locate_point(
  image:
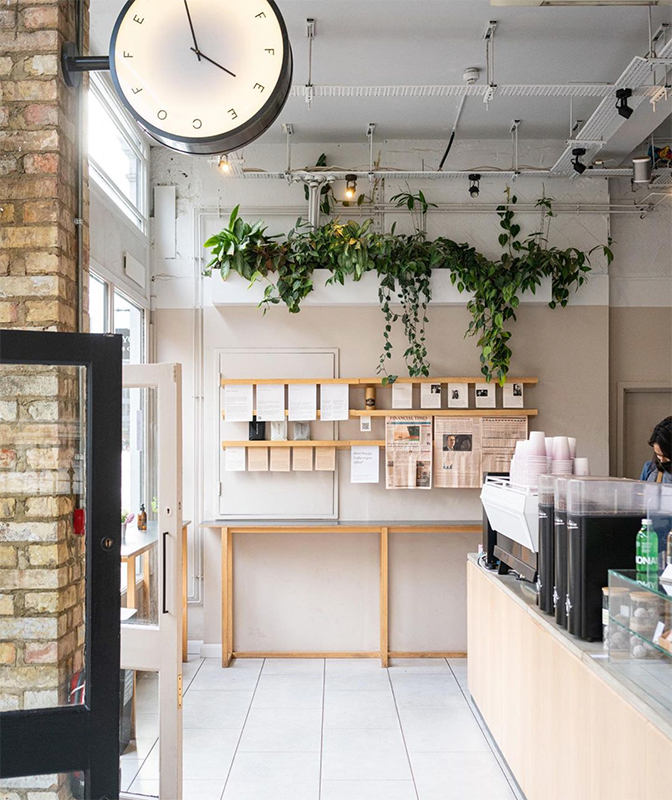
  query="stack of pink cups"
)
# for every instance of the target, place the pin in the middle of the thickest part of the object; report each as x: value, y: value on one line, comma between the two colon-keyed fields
x: 563, y: 462
x: 536, y: 461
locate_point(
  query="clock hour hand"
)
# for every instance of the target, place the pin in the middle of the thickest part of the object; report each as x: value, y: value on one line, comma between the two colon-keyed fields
x: 193, y: 33
x: 202, y: 55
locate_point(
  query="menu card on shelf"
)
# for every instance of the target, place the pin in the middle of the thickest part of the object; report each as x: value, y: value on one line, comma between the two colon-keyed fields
x: 430, y: 395
x: 257, y: 459
x: 402, y: 395
x: 271, y: 402
x: 325, y: 459
x: 302, y: 459
x: 302, y: 401
x: 485, y: 396
x: 235, y: 459
x: 280, y: 459
x: 238, y: 403
x: 458, y: 395
x: 513, y: 395
x: 365, y: 464
x: 334, y: 402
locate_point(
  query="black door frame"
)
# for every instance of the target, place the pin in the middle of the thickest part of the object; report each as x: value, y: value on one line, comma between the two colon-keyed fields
x: 86, y: 737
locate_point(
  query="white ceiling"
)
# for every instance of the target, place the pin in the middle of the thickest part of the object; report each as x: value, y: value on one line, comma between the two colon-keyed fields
x: 390, y: 42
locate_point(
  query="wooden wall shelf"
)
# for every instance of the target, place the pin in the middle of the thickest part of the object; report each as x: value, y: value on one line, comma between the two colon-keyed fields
x: 361, y: 381
x: 341, y: 445
x: 444, y: 412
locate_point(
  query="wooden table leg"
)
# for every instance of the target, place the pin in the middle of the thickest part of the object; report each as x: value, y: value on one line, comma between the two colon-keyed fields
x: 384, y: 598
x: 227, y: 596
x: 185, y: 622
x: 130, y: 583
x: 146, y: 599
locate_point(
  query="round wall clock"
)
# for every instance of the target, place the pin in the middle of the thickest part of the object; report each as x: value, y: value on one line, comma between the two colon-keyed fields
x: 202, y: 76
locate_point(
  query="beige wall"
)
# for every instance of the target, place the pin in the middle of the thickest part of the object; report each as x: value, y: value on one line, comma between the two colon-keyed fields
x: 567, y: 349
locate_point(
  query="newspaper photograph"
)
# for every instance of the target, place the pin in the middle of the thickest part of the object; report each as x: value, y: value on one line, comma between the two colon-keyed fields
x: 457, y: 452
x: 499, y: 437
x: 408, y: 452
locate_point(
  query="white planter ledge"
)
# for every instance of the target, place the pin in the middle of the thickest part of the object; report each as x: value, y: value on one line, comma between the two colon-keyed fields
x: 235, y: 291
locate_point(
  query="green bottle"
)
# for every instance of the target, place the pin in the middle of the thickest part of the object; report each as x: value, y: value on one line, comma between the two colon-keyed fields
x: 646, y: 558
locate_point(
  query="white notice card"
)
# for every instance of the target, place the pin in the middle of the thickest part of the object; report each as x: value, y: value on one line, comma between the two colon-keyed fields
x: 238, y: 404
x: 280, y: 459
x: 513, y: 395
x: 271, y: 402
x: 365, y: 464
x: 302, y: 401
x: 402, y: 395
x: 458, y: 395
x: 235, y: 459
x: 334, y: 402
x: 325, y: 459
x: 430, y: 395
x: 485, y: 395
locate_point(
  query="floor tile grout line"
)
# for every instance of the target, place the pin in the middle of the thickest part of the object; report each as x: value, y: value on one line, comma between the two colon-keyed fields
x: 193, y: 676
x: 242, y: 730
x: 324, y: 691
x: 144, y: 761
x: 403, y: 736
x: 488, y: 737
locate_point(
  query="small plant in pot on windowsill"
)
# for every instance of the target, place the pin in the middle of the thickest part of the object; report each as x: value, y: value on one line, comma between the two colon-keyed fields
x: 126, y: 519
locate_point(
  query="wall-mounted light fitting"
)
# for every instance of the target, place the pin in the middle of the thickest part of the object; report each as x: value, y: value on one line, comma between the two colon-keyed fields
x: 474, y: 185
x: 641, y: 169
x: 351, y: 186
x: 224, y: 165
x: 579, y: 166
x: 622, y: 96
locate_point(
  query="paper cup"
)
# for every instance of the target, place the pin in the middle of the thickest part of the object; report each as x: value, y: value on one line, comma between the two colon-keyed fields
x: 561, y: 449
x: 572, y: 447
x: 581, y: 466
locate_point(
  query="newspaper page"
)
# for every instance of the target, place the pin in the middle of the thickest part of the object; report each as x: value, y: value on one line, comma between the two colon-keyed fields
x: 457, y: 451
x: 499, y: 436
x: 408, y: 452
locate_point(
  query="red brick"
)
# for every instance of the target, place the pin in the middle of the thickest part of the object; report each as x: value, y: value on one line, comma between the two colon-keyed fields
x: 41, y: 114
x: 40, y: 18
x: 41, y: 162
x: 40, y: 211
x: 28, y: 42
x: 28, y: 141
x: 20, y: 187
x: 7, y: 458
x: 36, y: 653
x: 9, y: 312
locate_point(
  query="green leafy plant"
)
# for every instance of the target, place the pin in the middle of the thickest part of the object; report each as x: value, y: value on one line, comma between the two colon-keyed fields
x: 404, y: 265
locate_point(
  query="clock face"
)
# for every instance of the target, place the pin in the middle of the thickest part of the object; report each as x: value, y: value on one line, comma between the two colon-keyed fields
x: 202, y: 76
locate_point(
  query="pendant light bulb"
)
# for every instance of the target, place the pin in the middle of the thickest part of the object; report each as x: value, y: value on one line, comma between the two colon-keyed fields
x: 224, y: 165
x: 351, y: 187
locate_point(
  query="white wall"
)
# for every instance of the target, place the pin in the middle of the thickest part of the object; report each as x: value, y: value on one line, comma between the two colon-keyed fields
x: 567, y: 349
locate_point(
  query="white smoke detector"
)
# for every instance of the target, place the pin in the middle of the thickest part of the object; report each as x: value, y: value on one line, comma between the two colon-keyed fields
x: 471, y: 76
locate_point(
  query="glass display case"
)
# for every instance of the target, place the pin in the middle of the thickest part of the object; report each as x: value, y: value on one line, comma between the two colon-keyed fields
x: 638, y: 633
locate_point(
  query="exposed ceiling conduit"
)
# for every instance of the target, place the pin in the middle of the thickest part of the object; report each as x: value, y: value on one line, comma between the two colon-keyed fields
x: 460, y: 90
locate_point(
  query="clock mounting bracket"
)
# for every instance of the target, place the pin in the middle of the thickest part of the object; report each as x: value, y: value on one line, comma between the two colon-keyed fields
x: 73, y: 64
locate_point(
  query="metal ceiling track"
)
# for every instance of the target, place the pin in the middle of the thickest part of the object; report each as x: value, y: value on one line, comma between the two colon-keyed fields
x: 461, y: 90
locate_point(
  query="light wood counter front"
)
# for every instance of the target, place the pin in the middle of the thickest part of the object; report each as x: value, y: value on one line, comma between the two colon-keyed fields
x: 568, y: 726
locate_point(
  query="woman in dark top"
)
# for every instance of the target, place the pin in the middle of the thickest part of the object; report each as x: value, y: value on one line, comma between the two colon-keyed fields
x: 659, y: 469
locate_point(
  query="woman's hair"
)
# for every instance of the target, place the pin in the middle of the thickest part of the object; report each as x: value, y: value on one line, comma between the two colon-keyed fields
x: 662, y: 436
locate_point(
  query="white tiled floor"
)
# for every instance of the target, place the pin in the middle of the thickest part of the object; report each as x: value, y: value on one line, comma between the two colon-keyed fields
x: 322, y: 730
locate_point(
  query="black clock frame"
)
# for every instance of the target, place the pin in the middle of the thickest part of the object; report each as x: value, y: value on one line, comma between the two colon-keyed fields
x: 233, y: 140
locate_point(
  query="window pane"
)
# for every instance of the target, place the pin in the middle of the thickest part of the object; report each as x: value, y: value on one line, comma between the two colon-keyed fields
x: 97, y: 305
x: 129, y: 321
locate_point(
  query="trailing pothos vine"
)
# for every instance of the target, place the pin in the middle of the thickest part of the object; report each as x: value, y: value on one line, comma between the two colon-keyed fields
x: 404, y: 264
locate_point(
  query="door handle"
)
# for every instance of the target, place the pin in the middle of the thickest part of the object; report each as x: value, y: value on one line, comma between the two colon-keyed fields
x: 165, y: 571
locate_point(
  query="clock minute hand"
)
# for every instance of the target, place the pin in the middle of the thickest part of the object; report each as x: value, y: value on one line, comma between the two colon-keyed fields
x: 198, y: 53
x: 193, y: 33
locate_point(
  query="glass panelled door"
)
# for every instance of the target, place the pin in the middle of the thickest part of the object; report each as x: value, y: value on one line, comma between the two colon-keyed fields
x: 151, y: 582
x: 60, y: 545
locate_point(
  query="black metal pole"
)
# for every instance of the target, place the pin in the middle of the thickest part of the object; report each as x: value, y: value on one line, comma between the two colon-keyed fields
x: 73, y: 64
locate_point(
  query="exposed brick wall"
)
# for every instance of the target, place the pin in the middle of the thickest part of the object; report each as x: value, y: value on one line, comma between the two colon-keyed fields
x: 42, y: 584
x: 38, y: 257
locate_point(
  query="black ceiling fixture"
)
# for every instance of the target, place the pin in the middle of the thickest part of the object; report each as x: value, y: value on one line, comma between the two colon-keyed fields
x: 579, y: 166
x: 474, y: 185
x: 622, y: 97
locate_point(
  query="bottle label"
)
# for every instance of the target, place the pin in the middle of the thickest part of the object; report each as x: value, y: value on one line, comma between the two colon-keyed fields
x: 646, y: 561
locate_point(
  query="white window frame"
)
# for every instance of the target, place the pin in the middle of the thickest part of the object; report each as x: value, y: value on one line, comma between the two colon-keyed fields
x: 136, y: 141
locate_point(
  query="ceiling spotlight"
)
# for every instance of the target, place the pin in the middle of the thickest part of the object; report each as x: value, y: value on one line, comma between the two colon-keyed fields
x: 579, y: 167
x: 351, y: 187
x: 622, y: 96
x: 224, y: 165
x: 474, y: 185
x: 642, y: 168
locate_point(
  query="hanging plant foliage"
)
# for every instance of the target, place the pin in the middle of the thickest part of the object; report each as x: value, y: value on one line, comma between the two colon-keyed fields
x: 404, y: 265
